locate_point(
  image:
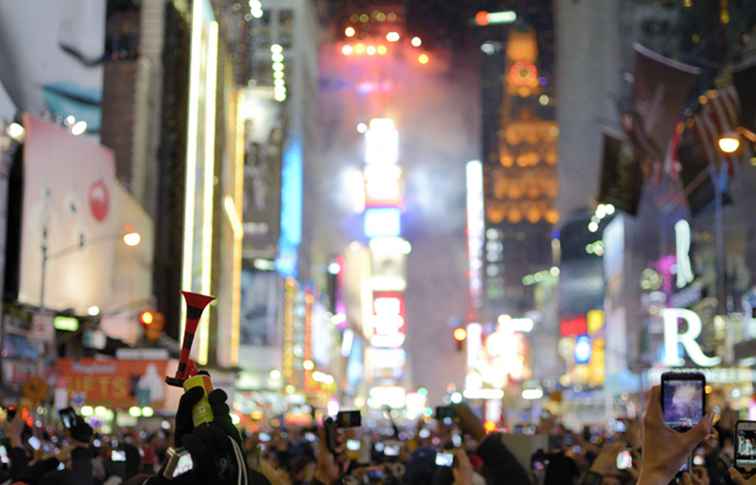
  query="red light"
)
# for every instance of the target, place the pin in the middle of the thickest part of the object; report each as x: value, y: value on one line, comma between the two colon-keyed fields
x: 481, y: 18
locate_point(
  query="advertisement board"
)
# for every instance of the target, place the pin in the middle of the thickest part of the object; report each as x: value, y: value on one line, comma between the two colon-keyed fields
x: 114, y: 383
x: 69, y: 187
x: 259, y: 334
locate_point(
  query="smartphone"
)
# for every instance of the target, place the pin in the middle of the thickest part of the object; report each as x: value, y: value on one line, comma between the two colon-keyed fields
x: 457, y: 440
x: 34, y: 442
x: 68, y: 417
x: 683, y: 399
x: 310, y: 437
x: 179, y: 461
x: 4, y: 455
x: 444, y: 412
x: 745, y: 446
x: 349, y: 419
x: 353, y: 445
x: 118, y: 455
x: 624, y: 460
x: 10, y: 412
x: 445, y: 459
x: 263, y: 437
x: 619, y: 426
x: 392, y: 449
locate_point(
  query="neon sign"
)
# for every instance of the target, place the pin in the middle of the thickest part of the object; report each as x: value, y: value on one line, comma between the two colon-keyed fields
x: 673, y: 337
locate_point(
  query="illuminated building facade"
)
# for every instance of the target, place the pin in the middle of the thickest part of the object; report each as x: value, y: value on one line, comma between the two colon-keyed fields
x: 520, y: 160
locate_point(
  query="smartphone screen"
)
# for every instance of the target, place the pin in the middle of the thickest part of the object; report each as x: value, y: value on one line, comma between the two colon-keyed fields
x: 34, y: 442
x: 624, y: 460
x: 353, y: 445
x: 443, y: 412
x: 444, y: 459
x: 349, y: 419
x: 4, y: 455
x: 683, y: 397
x: 456, y: 440
x: 745, y: 445
x: 619, y: 426
x: 185, y: 464
x: 392, y: 449
x: 118, y: 455
x: 68, y: 417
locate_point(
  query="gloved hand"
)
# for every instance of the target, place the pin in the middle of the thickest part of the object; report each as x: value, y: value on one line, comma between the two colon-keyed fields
x: 212, y: 452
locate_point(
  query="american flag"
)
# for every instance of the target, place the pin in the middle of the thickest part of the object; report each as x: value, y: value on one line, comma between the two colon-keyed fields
x: 719, y: 114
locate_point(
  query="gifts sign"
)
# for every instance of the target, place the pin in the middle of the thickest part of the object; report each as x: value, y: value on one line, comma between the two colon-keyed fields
x: 195, y: 305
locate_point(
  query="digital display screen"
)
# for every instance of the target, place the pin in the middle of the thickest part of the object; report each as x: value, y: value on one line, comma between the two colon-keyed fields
x: 746, y: 452
x: 353, y: 445
x: 683, y: 402
x: 118, y: 455
x: 185, y: 464
x: 444, y: 459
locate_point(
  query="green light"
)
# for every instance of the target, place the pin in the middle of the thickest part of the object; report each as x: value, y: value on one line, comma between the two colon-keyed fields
x: 69, y: 324
x: 505, y: 17
x: 422, y: 391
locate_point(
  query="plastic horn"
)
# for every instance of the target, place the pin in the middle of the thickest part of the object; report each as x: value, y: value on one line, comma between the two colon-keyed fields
x: 195, y: 305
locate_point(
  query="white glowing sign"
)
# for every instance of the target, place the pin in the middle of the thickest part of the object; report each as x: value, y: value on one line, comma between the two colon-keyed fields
x: 383, y: 185
x: 387, y: 322
x: 382, y: 222
x: 382, y: 142
x: 682, y: 247
x: 673, y: 337
x: 475, y: 228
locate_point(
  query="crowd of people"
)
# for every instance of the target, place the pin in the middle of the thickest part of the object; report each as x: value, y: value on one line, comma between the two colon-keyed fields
x: 454, y: 449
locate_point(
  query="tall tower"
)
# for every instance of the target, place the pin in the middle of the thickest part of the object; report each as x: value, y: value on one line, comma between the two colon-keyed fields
x: 521, y: 180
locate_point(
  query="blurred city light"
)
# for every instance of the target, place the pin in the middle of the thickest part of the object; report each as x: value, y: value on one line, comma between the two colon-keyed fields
x: 79, y: 128
x: 390, y: 245
x: 484, y: 18
x: 132, y: 239
x: 460, y: 334
x: 416, y: 41
x: 382, y: 142
x: 359, y: 49
x: 729, y: 143
x: 350, y: 31
x: 532, y: 394
x: 308, y: 365
x: 16, y: 132
x: 370, y: 50
x: 276, y: 48
x: 382, y: 222
x: 382, y: 50
x: 393, y: 37
x: 423, y: 59
x: 93, y: 311
x: 362, y: 128
x: 334, y: 268
x: 347, y: 50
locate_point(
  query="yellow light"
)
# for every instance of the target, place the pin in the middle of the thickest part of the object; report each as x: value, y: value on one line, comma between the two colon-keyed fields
x: 370, y: 50
x: 382, y: 50
x: 543, y: 99
x: 256, y: 415
x: 423, y: 59
x: 132, y: 239
x: 393, y: 37
x: 290, y: 389
x: 148, y: 412
x: 87, y: 411
x: 729, y: 143
x: 147, y: 318
x: 489, y: 426
x: 15, y: 131
x: 416, y: 41
x: 135, y: 411
x: 709, y: 389
x: 349, y: 31
x: 347, y: 50
x: 308, y: 365
x: 359, y: 49
x: 460, y: 334
x: 233, y: 217
x: 275, y: 48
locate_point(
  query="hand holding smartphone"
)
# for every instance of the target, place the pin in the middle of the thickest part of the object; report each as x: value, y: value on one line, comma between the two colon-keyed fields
x: 745, y: 447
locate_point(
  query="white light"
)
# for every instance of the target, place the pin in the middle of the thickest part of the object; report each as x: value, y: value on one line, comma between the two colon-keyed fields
x: 393, y: 37
x: 483, y: 394
x: 278, y: 66
x: 79, y: 128
x: 135, y: 411
x: 334, y: 268
x: 276, y: 48
x: 382, y: 222
x: 275, y: 374
x: 278, y: 75
x: 132, y: 239
x: 235, y: 419
x: 332, y: 408
x: 280, y: 97
x: 682, y: 250
x: 70, y: 120
x: 382, y: 142
x: 347, y: 50
x: 347, y: 339
x: 308, y: 365
x: 370, y: 50
x: 148, y: 412
x: 554, y: 271
x: 600, y: 211
x: 392, y: 396
x: 524, y: 325
x: 729, y: 143
x: 349, y: 31
x: 475, y: 227
x: 362, y: 128
x: 593, y: 226
x: 543, y: 99
x: 322, y: 377
x: 456, y: 397
x: 277, y: 57
x: 87, y: 411
x: 390, y: 245
x: 382, y: 185
x: 15, y: 131
x: 532, y: 394
x: 416, y: 41
x: 257, y: 13
x: 93, y: 311
x: 505, y: 17
x: 279, y: 83
x: 488, y: 48
x: 609, y: 209
x: 353, y: 189
x: 100, y: 411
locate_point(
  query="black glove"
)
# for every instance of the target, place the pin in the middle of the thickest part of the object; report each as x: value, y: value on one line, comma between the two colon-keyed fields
x: 212, y: 452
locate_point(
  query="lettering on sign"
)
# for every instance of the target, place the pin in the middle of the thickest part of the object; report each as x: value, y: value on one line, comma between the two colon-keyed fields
x: 673, y: 337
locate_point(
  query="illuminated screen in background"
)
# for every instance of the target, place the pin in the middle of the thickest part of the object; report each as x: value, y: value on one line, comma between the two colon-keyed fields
x: 683, y: 403
x: 355, y: 367
x: 384, y: 222
x: 291, y: 209
x: 746, y: 452
x: 382, y: 142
